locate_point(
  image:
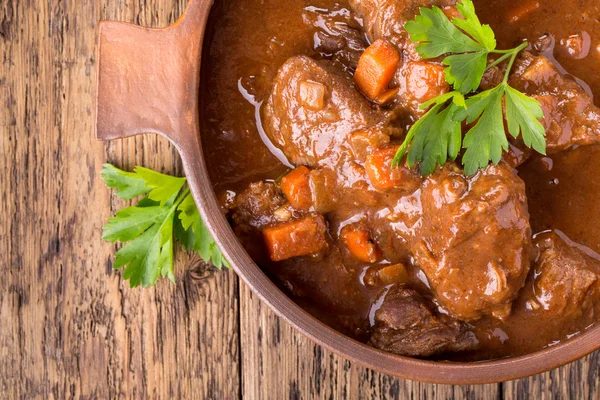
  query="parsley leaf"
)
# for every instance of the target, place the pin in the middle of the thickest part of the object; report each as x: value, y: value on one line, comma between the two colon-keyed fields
x: 437, y: 35
x: 437, y: 135
x: 483, y: 34
x: 467, y: 55
x: 197, y: 237
x: 147, y: 229
x: 148, y: 256
x: 163, y: 187
x: 487, y: 139
x: 189, y: 215
x: 127, y: 184
x: 523, y: 114
x: 131, y: 222
x: 435, y: 138
x: 465, y: 71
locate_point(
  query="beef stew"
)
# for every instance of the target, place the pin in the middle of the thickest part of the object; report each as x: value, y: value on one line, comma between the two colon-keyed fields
x: 446, y: 266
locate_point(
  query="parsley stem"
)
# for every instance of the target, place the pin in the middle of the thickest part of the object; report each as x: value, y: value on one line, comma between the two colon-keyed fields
x: 516, y: 50
x: 512, y: 54
x: 510, y: 51
x: 499, y: 60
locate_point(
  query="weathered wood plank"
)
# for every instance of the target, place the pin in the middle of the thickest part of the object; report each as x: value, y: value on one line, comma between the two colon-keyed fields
x: 280, y: 363
x: 578, y: 380
x: 70, y: 326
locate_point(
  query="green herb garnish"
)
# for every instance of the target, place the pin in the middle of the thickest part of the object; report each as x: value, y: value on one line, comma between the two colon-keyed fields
x: 148, y: 228
x: 437, y: 136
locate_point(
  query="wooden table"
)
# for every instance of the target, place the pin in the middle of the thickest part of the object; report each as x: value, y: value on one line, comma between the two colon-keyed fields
x: 69, y: 325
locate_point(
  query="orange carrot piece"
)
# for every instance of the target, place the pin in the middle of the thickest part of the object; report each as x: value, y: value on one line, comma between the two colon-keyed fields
x: 296, y: 238
x: 312, y: 95
x: 379, y: 168
x: 384, y: 176
x: 358, y: 242
x: 296, y: 187
x: 523, y: 10
x: 376, y: 68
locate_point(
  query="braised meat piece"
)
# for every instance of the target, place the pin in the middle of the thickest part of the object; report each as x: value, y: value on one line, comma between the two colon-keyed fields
x: 566, y: 280
x: 339, y: 36
x: 386, y: 19
x: 254, y: 208
x: 570, y: 116
x: 474, y: 243
x: 317, y: 132
x: 406, y: 324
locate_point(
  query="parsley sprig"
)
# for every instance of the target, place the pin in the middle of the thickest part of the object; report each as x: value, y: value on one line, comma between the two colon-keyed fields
x: 167, y: 211
x: 437, y: 136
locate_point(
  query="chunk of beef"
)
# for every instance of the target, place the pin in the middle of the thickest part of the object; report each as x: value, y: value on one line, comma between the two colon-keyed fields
x: 318, y: 137
x: 338, y: 35
x: 566, y: 280
x: 407, y: 324
x: 474, y: 243
x: 254, y: 207
x: 386, y: 19
x: 570, y: 116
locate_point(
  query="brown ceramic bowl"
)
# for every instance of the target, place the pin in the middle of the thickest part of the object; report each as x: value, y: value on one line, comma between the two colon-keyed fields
x: 148, y: 82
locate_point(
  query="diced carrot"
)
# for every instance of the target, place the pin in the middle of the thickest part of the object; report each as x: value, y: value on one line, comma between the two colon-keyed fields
x: 384, y: 176
x: 296, y: 187
x: 425, y: 80
x: 296, y: 238
x: 523, y: 10
x: 358, y: 242
x: 376, y: 68
x: 312, y: 95
x: 387, y: 96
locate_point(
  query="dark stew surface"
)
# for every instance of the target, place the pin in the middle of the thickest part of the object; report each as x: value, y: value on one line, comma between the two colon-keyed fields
x: 501, y: 263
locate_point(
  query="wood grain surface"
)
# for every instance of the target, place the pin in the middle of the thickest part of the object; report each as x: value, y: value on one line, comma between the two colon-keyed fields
x: 69, y: 326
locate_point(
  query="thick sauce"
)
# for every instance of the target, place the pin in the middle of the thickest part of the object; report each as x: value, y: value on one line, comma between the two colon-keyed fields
x: 567, y: 30
x: 251, y: 39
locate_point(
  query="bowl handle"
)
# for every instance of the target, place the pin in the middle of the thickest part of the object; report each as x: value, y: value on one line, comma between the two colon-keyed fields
x: 148, y: 79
